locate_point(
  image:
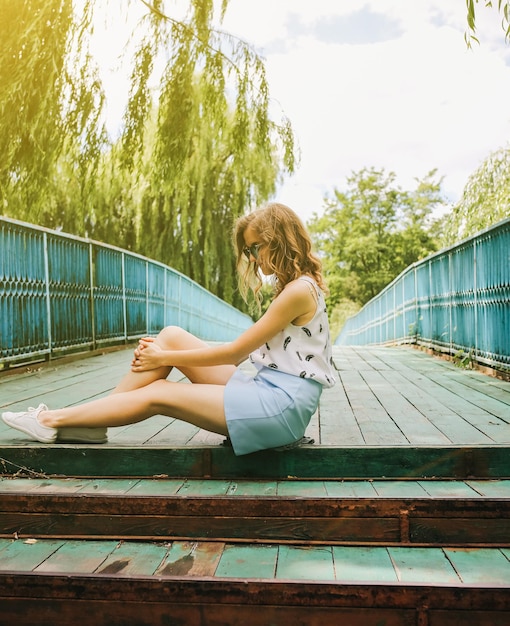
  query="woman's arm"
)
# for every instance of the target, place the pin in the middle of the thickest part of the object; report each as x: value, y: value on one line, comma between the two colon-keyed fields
x: 293, y: 302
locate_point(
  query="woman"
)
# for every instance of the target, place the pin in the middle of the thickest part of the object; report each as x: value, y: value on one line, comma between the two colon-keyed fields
x: 289, y: 345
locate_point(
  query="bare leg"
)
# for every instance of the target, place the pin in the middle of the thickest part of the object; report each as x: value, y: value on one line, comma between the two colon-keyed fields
x: 175, y: 338
x: 198, y: 404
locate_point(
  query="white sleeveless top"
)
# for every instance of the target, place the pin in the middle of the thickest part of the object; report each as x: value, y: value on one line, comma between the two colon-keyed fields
x: 303, y: 351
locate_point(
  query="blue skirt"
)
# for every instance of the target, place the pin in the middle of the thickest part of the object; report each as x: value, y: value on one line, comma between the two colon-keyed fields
x: 268, y: 410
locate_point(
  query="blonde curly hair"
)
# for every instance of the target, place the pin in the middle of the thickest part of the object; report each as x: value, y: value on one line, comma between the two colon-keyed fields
x: 289, y: 249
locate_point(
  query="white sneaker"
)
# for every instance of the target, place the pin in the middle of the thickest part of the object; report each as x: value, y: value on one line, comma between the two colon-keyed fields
x: 82, y: 435
x: 27, y: 422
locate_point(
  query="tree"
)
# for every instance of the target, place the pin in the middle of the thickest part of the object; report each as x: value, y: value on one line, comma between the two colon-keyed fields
x: 373, y: 231
x: 504, y: 10
x: 485, y: 199
x: 46, y: 105
x: 192, y: 154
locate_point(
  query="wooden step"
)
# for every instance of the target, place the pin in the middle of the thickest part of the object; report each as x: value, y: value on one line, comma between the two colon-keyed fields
x: 210, y: 583
x: 307, y: 462
x: 310, y: 512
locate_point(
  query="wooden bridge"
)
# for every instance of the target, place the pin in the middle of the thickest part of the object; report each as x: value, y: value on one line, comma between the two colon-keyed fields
x: 397, y: 515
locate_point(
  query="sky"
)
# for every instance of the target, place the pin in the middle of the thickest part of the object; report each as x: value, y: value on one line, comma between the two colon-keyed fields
x: 388, y: 84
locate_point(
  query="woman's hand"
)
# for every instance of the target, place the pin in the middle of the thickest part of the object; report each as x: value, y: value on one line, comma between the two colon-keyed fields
x: 147, y: 355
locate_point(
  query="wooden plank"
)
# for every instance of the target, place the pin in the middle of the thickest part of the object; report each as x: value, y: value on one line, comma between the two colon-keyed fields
x: 422, y: 565
x: 491, y: 488
x: 155, y: 487
x: 350, y: 489
x: 302, y: 489
x: 74, y: 557
x: 207, y: 601
x: 144, y: 432
x: 367, y: 462
x: 462, y: 385
x: 451, y: 617
x: 406, y: 416
x: 26, y: 555
x: 205, y: 488
x: 118, y: 613
x: 363, y: 564
x: 399, y: 489
x: 186, y: 558
x: 164, y: 487
x: 115, y: 486
x: 460, y: 531
x: 374, y: 422
x: 248, y: 561
x: 173, y: 432
x: 458, y: 400
x: 133, y: 559
x: 411, y: 376
x: 338, y: 426
x: 252, y: 488
x: 448, y: 489
x: 480, y: 566
x: 445, y: 419
x: 24, y: 485
x: 305, y: 563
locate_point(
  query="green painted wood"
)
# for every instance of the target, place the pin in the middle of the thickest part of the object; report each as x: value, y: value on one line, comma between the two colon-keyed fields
x: 154, y: 487
x: 338, y: 426
x: 416, y: 389
x: 205, y: 488
x: 489, y: 566
x: 24, y: 485
x: 252, y: 488
x: 276, y: 562
x: 25, y: 555
x: 399, y: 489
x: 462, y: 386
x: 305, y: 563
x: 417, y: 428
x: 307, y: 462
x: 75, y: 557
x: 302, y: 489
x: 448, y: 489
x: 143, y: 432
x: 374, y: 422
x: 491, y: 488
x: 363, y: 564
x: 385, y: 386
x: 350, y: 489
x: 133, y: 559
x: 422, y: 565
x: 248, y: 561
x: 115, y: 486
x: 186, y: 558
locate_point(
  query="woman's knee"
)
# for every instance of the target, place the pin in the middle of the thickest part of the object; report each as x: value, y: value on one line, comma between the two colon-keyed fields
x: 176, y: 338
x: 170, y: 336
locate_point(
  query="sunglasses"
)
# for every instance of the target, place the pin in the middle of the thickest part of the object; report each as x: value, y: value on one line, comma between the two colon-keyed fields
x: 252, y: 251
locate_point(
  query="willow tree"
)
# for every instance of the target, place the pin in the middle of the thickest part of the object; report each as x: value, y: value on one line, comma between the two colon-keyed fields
x: 197, y: 145
x: 213, y: 149
x: 49, y: 105
x: 485, y: 199
x: 503, y: 7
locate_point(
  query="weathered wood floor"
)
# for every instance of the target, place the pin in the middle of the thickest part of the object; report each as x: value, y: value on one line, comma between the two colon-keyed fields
x: 397, y: 515
x: 395, y: 412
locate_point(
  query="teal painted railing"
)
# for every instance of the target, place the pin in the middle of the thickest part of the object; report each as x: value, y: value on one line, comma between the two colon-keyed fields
x: 456, y: 301
x: 60, y: 293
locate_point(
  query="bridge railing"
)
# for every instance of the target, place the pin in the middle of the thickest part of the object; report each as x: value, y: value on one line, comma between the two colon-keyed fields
x: 456, y: 301
x: 60, y: 293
